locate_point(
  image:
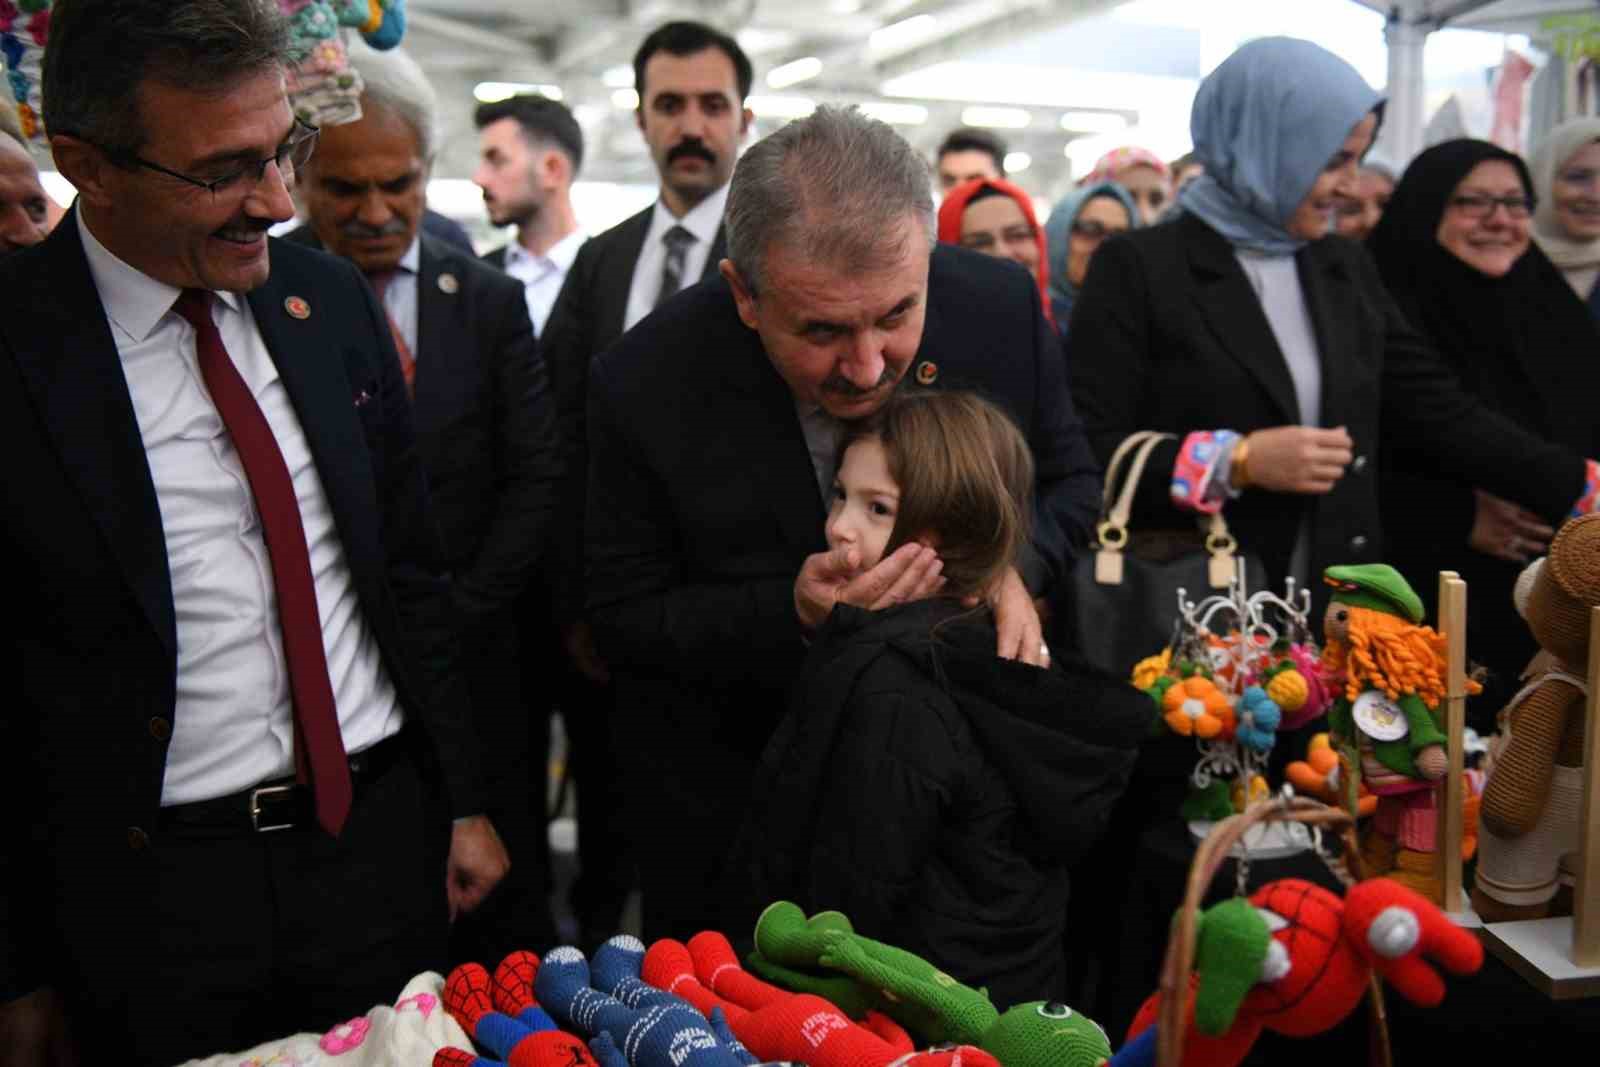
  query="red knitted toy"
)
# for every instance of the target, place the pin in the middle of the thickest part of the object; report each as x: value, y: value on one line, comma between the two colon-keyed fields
x: 1322, y: 953
x: 777, y: 1025
x: 470, y: 997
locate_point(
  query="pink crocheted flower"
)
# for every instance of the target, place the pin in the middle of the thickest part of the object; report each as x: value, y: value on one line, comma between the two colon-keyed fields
x: 345, y: 1037
x: 1319, y: 687
x: 39, y: 27
x: 424, y: 1003
x: 8, y: 15
x: 327, y: 57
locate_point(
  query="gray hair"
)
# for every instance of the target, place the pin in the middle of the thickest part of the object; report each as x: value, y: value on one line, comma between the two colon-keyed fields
x: 834, y: 187
x: 393, y: 80
x: 101, y: 51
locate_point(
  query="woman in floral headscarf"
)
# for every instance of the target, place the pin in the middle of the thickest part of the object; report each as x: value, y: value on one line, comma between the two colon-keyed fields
x: 1143, y: 174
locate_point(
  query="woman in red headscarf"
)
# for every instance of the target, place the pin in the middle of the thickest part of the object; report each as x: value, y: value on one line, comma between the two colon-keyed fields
x: 992, y: 216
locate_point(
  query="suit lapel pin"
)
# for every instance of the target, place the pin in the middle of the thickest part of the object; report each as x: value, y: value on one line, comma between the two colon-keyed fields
x: 297, y: 307
x: 448, y: 284
x: 927, y: 373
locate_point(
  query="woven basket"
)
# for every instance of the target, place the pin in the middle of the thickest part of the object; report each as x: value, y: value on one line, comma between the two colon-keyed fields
x: 1213, y: 852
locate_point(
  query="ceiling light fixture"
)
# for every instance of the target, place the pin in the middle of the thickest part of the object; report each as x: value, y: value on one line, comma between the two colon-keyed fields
x: 895, y: 114
x: 1093, y: 122
x: 781, y: 107
x: 794, y: 73
x: 997, y: 118
x: 903, y: 33
x: 1017, y: 162
x: 493, y: 92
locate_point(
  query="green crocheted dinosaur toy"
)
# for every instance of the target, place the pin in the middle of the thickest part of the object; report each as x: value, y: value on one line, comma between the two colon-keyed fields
x: 814, y: 955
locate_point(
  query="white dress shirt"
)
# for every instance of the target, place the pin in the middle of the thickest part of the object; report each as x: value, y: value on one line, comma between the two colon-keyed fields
x: 542, y: 276
x: 400, y: 298
x: 701, y: 221
x: 232, y: 727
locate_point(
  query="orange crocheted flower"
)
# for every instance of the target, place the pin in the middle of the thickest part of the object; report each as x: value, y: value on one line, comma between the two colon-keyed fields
x: 1196, y: 707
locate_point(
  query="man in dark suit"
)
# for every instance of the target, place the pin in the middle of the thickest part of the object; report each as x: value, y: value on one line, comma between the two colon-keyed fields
x: 712, y: 430
x: 486, y: 434
x: 692, y: 82
x: 236, y: 736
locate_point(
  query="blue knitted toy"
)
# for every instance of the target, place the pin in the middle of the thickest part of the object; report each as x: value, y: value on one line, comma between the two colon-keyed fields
x: 615, y: 970
x: 659, y: 1036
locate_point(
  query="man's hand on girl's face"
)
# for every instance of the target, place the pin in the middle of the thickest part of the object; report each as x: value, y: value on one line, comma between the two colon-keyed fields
x: 911, y: 572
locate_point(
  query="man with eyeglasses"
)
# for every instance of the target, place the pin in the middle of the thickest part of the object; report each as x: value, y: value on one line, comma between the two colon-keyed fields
x: 242, y: 792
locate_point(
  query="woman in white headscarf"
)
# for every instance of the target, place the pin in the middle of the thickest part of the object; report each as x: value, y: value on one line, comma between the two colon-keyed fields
x: 1271, y: 349
x: 1566, y: 224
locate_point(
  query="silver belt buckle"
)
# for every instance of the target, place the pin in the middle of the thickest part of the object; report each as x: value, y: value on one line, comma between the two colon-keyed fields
x: 255, y: 809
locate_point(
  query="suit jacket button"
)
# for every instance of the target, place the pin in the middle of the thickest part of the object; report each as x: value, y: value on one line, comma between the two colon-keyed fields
x: 160, y: 728
x: 138, y: 840
x: 1358, y: 464
x: 1358, y: 543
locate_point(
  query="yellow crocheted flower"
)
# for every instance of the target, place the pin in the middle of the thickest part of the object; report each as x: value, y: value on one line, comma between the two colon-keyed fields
x: 1147, y: 670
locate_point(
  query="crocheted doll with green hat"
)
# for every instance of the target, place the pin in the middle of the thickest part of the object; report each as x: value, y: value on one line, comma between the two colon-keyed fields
x: 1388, y: 671
x: 930, y: 1004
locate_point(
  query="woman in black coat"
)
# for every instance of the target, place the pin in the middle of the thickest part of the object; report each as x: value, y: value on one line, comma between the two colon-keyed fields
x: 1242, y: 315
x: 1272, y: 351
x: 1455, y: 251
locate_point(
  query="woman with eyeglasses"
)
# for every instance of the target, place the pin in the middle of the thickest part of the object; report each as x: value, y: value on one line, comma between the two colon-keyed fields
x: 1078, y: 224
x: 995, y: 217
x: 1566, y: 224
x: 1269, y: 347
x: 1454, y: 250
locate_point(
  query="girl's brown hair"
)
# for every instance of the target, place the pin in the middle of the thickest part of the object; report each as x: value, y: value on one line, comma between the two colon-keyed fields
x: 966, y: 479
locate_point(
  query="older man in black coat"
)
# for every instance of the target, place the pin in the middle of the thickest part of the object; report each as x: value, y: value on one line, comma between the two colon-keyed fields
x: 712, y: 427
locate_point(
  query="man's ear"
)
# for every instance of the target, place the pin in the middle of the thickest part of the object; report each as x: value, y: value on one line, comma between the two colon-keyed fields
x: 85, y: 166
x: 743, y: 297
x: 745, y: 119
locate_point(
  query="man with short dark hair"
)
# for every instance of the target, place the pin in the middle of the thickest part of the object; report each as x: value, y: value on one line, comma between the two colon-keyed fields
x: 530, y: 148
x: 692, y: 82
x: 236, y: 752
x: 969, y: 153
x: 486, y: 435
x: 714, y: 425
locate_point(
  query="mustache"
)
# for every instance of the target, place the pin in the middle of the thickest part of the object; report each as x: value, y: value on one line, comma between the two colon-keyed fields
x: 395, y: 227
x: 691, y: 148
x: 246, y: 223
x: 838, y: 383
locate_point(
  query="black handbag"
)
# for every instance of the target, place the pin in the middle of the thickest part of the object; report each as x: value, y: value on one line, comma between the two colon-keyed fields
x: 1124, y: 592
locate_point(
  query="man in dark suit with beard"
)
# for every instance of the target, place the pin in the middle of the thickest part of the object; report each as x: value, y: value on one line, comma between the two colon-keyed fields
x: 236, y: 744
x: 712, y: 431
x: 486, y: 434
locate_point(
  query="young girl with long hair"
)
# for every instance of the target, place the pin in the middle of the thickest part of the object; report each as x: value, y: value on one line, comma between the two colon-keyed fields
x: 928, y: 789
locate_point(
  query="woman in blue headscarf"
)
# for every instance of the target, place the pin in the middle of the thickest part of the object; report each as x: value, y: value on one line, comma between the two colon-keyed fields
x: 1269, y: 349
x: 1078, y: 224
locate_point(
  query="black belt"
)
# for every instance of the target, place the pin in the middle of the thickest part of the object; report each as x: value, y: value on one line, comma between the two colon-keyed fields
x: 283, y: 803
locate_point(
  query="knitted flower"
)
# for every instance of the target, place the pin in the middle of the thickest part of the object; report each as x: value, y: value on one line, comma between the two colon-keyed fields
x: 1147, y: 670
x: 1258, y: 719
x: 1195, y: 706
x: 1319, y: 690
x: 8, y: 14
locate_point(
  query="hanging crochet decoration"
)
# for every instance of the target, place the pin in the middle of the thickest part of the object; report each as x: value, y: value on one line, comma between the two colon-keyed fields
x: 1240, y: 668
x: 24, y: 29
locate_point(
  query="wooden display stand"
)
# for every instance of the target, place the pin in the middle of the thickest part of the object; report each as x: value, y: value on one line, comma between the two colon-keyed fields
x: 1452, y: 791
x: 1561, y: 956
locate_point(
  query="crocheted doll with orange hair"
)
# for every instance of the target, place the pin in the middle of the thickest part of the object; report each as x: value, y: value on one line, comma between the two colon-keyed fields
x: 1529, y: 832
x: 1389, y: 672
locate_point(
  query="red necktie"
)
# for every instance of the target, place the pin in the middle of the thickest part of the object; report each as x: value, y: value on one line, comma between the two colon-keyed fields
x: 319, y: 750
x: 408, y: 364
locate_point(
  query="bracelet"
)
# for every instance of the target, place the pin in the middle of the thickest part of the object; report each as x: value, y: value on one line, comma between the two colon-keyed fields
x: 1239, y: 473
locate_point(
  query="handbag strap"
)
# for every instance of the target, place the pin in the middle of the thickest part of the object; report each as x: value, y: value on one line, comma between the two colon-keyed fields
x: 1117, y: 507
